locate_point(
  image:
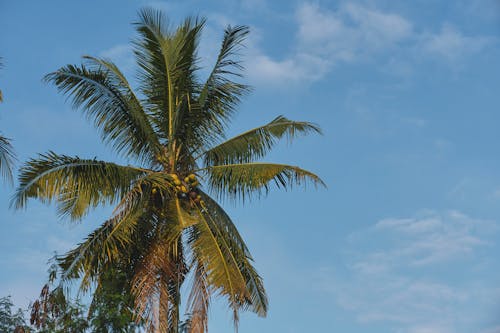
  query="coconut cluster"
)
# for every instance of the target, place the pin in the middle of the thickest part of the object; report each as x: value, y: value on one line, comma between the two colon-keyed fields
x: 187, y: 189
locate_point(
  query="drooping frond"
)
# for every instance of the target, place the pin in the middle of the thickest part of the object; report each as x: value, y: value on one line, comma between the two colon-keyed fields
x: 167, y: 63
x: 220, y: 260
x: 104, y: 245
x: 256, y: 299
x: 157, y: 280
x: 235, y: 181
x: 199, y: 300
x: 104, y: 95
x: 254, y: 144
x: 7, y: 158
x: 131, y: 222
x: 220, y: 95
x: 75, y: 184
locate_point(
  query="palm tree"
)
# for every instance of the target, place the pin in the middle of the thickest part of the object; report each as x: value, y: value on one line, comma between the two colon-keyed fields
x: 167, y: 225
x: 6, y: 152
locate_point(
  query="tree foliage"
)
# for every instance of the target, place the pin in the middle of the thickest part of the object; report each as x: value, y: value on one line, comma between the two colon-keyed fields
x: 167, y: 228
x: 111, y: 309
x: 11, y: 320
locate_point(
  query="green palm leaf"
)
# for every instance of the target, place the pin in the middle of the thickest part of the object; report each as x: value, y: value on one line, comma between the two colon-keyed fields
x: 75, y: 184
x: 220, y: 95
x: 112, y: 240
x: 167, y: 63
x: 235, y: 181
x: 257, y: 298
x: 255, y: 143
x: 220, y: 264
x: 104, y: 96
x: 7, y: 158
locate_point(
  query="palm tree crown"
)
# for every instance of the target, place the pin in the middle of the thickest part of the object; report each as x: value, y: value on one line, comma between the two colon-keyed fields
x: 166, y: 226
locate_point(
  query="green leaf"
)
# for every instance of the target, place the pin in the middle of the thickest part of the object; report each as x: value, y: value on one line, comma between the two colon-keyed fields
x: 7, y: 158
x: 220, y: 95
x: 167, y: 62
x: 238, y: 181
x: 256, y: 143
x: 75, y: 184
x: 256, y: 299
x: 104, y: 95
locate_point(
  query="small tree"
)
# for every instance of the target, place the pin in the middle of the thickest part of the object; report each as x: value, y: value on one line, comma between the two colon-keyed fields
x: 11, y: 321
x: 53, y: 313
x: 112, y: 307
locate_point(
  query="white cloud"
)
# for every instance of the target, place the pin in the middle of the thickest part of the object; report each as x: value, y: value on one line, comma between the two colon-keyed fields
x: 325, y: 38
x: 350, y: 32
x: 358, y: 33
x: 400, y: 280
x: 452, y: 45
x: 433, y: 237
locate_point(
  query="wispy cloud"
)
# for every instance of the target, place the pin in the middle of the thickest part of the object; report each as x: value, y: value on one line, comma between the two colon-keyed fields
x: 452, y: 45
x: 350, y: 32
x: 400, y: 281
x: 357, y: 33
x: 325, y: 38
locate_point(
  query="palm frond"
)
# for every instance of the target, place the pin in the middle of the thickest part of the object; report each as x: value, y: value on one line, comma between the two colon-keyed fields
x: 104, y: 245
x: 256, y: 299
x: 156, y: 282
x: 7, y: 158
x: 103, y: 94
x: 220, y: 95
x: 153, y: 284
x: 198, y: 300
x: 238, y: 181
x: 131, y: 222
x: 255, y: 143
x: 167, y: 63
x: 220, y: 260
x: 75, y: 184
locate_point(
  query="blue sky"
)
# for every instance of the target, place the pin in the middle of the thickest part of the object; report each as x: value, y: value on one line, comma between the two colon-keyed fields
x: 406, y: 237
